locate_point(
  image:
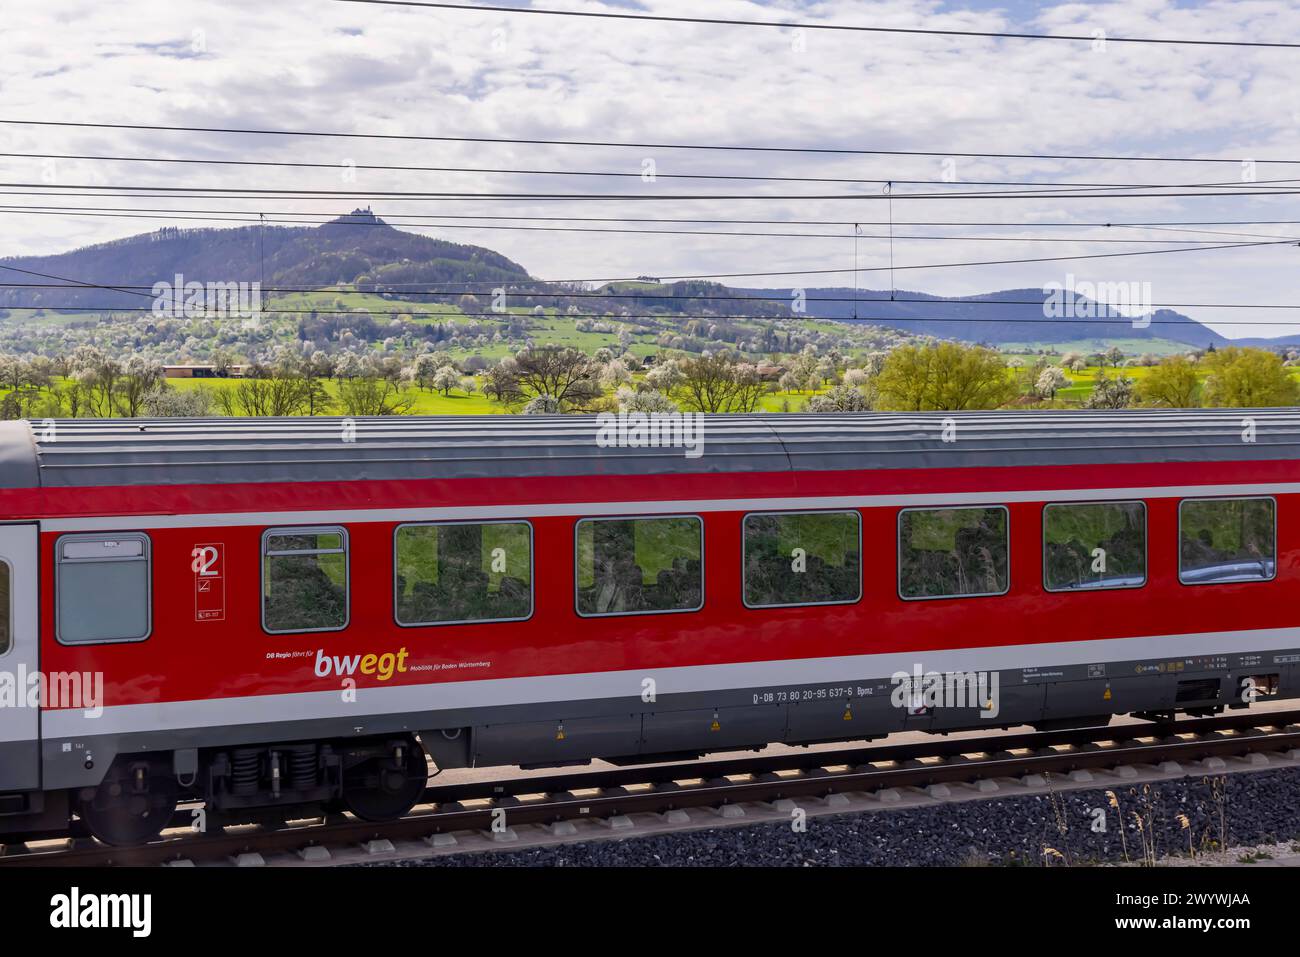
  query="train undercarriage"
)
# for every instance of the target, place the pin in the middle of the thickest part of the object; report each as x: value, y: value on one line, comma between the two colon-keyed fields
x: 382, y: 775
x: 377, y: 779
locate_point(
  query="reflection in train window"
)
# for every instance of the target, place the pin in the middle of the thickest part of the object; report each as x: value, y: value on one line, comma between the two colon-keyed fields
x: 6, y: 607
x: 952, y: 552
x: 1094, y: 545
x: 304, y: 579
x: 628, y: 566
x: 802, y: 558
x: 102, y: 588
x: 463, y: 572
x: 1226, y: 540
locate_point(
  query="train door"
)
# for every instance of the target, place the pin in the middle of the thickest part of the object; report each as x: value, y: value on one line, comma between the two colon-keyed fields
x: 19, y: 660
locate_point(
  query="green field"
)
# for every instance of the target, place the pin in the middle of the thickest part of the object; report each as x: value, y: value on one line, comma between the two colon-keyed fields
x: 1082, y: 382
x: 1130, y: 347
x: 458, y: 403
x: 426, y: 403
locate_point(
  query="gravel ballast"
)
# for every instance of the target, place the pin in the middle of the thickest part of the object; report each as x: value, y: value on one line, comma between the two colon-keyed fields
x: 1052, y: 827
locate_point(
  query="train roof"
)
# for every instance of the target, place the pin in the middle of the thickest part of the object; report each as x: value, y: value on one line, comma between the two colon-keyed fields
x: 115, y: 452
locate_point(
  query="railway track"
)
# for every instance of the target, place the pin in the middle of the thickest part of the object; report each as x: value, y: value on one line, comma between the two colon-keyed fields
x: 612, y: 795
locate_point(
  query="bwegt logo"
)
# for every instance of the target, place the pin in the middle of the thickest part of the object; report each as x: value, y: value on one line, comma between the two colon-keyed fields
x: 55, y: 689
x: 382, y: 666
x: 188, y: 300
x: 922, y: 692
x: 1080, y: 299
x: 652, y: 430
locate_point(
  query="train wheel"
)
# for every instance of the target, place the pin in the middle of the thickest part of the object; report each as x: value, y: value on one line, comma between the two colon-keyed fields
x: 384, y: 788
x: 129, y: 808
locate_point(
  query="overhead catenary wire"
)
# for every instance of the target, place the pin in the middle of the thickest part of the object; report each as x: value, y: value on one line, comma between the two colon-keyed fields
x: 618, y: 174
x: 211, y: 192
x: 1076, y: 240
x: 1136, y: 322
x: 626, y: 144
x: 912, y: 266
x: 253, y: 219
x: 347, y: 220
x: 436, y: 220
x: 640, y: 297
x: 219, y: 216
x: 819, y: 25
x: 1200, y: 245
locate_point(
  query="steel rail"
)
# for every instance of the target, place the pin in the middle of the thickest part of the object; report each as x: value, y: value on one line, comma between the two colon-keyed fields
x: 662, y: 789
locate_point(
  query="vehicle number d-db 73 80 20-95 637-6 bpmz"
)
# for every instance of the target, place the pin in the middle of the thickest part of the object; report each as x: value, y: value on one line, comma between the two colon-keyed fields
x: 789, y: 695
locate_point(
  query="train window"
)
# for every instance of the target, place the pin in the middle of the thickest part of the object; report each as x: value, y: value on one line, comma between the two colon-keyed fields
x: 6, y: 608
x: 1226, y: 540
x: 1094, y: 545
x: 463, y: 572
x: 630, y: 566
x: 304, y: 579
x: 952, y: 552
x: 802, y: 558
x: 102, y: 588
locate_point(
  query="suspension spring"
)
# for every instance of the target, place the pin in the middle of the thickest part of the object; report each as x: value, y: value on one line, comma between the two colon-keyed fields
x: 303, y: 766
x: 245, y: 768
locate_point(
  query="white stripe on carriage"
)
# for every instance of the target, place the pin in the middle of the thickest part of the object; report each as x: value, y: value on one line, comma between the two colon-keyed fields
x: 428, y: 699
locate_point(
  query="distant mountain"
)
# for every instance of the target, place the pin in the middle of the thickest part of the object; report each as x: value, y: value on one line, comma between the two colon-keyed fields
x: 357, y: 248
x: 362, y: 250
x: 1010, y: 315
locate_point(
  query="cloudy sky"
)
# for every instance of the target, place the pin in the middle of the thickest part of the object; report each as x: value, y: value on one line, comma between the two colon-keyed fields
x: 333, y: 66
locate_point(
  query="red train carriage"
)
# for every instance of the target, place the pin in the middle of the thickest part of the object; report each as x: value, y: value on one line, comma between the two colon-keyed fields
x: 274, y: 614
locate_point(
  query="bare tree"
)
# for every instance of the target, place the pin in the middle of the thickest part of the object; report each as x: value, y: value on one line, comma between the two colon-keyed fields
x: 499, y: 379
x: 98, y: 375
x: 567, y: 375
x: 718, y: 383
x: 139, y: 378
x: 274, y: 395
x: 374, y: 397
